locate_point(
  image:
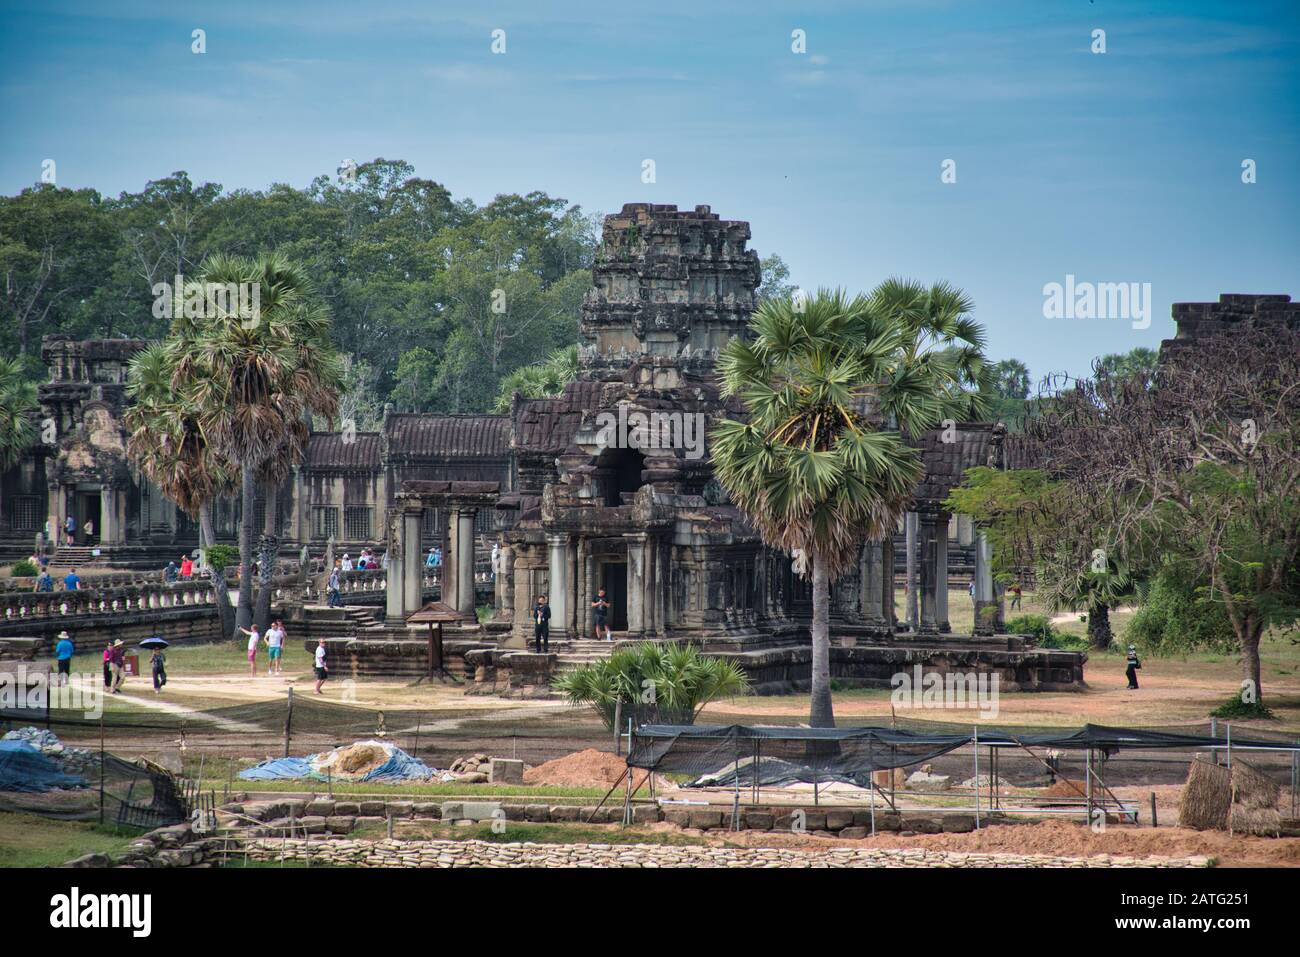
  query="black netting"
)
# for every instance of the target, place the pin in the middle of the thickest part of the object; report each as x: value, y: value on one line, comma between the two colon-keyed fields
x: 739, y: 755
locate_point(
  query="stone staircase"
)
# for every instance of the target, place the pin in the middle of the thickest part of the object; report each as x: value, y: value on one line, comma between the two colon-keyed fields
x: 572, y: 653
x: 75, y: 556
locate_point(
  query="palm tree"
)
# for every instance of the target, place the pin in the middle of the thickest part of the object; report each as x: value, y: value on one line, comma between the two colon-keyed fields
x: 17, y: 403
x: 655, y: 682
x: 541, y: 380
x: 819, y: 464
x: 259, y: 381
x: 167, y: 444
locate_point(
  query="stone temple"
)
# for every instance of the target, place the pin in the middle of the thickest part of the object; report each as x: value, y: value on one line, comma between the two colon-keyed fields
x: 608, y: 485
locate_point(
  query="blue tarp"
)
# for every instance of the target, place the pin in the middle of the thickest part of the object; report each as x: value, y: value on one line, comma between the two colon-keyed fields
x: 24, y: 768
x: 400, y: 766
x: 279, y: 768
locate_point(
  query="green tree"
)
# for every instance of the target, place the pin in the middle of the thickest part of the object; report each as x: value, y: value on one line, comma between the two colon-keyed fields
x: 165, y: 441
x: 545, y: 379
x: 817, y: 465
x: 257, y: 382
x: 17, y: 408
x: 655, y: 682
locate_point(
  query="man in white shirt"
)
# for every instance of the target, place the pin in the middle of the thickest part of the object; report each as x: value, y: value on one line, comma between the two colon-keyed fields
x: 322, y: 669
x: 275, y: 647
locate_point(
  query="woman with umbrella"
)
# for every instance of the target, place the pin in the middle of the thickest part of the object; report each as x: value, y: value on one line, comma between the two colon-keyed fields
x: 157, y: 661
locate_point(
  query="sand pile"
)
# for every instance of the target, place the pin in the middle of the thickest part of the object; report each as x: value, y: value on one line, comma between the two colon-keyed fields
x: 353, y: 761
x: 589, y: 768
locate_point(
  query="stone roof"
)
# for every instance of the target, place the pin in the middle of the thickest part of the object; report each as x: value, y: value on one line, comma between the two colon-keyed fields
x: 412, y: 435
x: 944, y: 463
x: 549, y: 425
x: 328, y: 450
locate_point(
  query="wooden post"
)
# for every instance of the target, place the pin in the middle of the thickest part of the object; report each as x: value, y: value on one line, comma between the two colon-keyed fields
x: 288, y: 723
x: 1153, y: 810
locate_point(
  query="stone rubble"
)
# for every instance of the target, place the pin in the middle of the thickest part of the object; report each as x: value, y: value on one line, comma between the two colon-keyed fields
x: 443, y: 854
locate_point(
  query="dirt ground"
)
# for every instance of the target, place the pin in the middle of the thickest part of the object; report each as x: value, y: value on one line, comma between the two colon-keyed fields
x: 1060, y: 838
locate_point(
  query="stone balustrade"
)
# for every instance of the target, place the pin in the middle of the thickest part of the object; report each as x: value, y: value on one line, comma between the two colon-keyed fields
x: 123, y: 600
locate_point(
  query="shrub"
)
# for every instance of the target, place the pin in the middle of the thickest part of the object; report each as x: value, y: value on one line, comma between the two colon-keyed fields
x: 1039, y: 627
x: 1177, y: 618
x: 658, y: 683
x: 24, y: 569
x: 1236, y: 708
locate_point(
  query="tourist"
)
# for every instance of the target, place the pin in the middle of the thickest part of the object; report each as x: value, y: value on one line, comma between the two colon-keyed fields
x: 542, y: 626
x: 187, y: 567
x: 1015, y: 595
x: 970, y: 590
x: 496, y: 559
x: 1132, y: 670
x: 108, y: 666
x: 170, y: 573
x: 44, y: 582
x: 335, y: 585
x: 70, y: 531
x: 321, y: 668
x: 63, y: 653
x: 600, y: 612
x: 437, y: 556
x: 71, y: 582
x: 158, y: 668
x: 118, y: 661
x: 274, y: 647
x: 254, y: 639
x: 347, y: 562
x: 430, y: 560
x: 89, y: 533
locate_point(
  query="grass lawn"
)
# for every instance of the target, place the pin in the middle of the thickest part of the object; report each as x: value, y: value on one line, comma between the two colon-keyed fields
x: 28, y: 840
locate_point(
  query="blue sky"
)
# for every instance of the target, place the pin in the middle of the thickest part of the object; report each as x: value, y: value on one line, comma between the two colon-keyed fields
x: 1115, y: 167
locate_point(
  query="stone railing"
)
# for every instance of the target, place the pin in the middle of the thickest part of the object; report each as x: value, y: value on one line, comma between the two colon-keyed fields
x: 128, y: 599
x: 114, y: 579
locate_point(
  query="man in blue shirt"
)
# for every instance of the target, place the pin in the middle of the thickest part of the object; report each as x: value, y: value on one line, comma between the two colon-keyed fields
x: 64, y: 651
x: 70, y: 581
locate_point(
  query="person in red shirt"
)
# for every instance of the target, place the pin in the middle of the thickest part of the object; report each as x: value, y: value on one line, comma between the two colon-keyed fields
x: 187, y: 567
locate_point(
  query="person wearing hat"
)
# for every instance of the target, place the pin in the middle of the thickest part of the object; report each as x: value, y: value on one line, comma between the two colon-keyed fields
x: 118, y: 662
x: 1132, y: 669
x: 63, y: 652
x: 347, y: 562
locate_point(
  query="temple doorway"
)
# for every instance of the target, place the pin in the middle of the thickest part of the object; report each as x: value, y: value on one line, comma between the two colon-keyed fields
x: 613, y: 578
x: 86, y: 506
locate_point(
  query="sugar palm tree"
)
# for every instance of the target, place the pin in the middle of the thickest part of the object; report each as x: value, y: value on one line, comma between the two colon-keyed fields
x: 818, y: 464
x: 167, y: 444
x: 17, y: 403
x: 260, y: 380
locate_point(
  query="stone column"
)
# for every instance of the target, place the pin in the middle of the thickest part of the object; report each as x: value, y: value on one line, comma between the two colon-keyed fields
x: 928, y: 598
x: 887, y: 578
x: 983, y: 583
x: 412, y: 561
x: 941, y: 572
x: 559, y: 584
x: 110, y: 530
x: 871, y: 584
x: 911, y: 533
x: 636, y: 576
x: 449, y: 592
x: 465, y: 561
x: 395, y: 588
